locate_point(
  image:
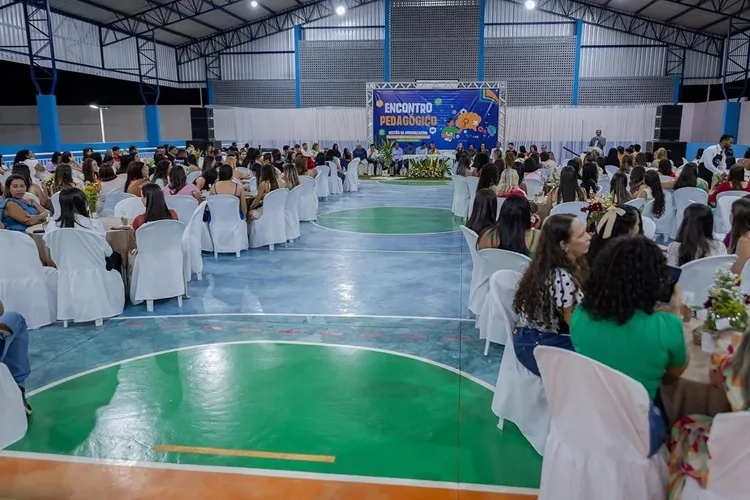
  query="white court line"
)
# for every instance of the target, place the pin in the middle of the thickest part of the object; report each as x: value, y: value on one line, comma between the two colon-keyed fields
x: 294, y: 315
x: 430, y: 252
x: 383, y: 234
x: 382, y: 206
x: 388, y: 481
x: 240, y: 342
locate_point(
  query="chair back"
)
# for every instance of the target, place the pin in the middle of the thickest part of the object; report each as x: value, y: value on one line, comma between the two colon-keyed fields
x: 274, y: 203
x: 461, y: 196
x: 503, y: 285
x: 666, y: 178
x: 734, y: 194
x: 183, y: 205
x: 637, y: 203
x: 500, y: 202
x: 321, y: 181
x: 224, y: 208
x: 130, y: 208
x: 307, y: 182
x: 496, y: 260
x: 471, y: 239
x: 244, y: 170
x: 25, y: 262
x: 159, y: 265
x: 603, y: 186
x: 664, y: 223
x: 56, y: 203
x: 729, y: 446
x: 534, y: 188
x: 471, y: 185
x: 649, y: 228
x: 111, y: 200
x: 291, y: 212
x: 723, y: 213
x: 77, y: 249
x: 611, y: 170
x: 594, y: 410
x: 193, y: 176
x: 12, y: 414
x: 698, y: 276
x: 572, y: 208
x: 683, y: 198
x: 31, y: 196
x: 191, y: 240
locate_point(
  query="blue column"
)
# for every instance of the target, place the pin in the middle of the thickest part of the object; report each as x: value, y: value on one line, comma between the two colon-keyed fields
x: 297, y: 76
x: 387, y: 43
x: 577, y: 63
x: 153, y: 125
x: 480, y: 58
x: 676, y: 89
x: 732, y: 118
x: 49, y: 124
x: 210, y: 92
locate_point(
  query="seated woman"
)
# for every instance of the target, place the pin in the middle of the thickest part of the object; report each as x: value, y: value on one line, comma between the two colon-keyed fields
x: 178, y: 185
x: 161, y: 173
x: 209, y: 176
x: 688, y: 441
x: 652, y: 190
x: 301, y: 163
x: 688, y: 178
x: 626, y: 164
x: 192, y: 163
x: 509, y: 185
x: 90, y: 170
x: 488, y: 179
x: 590, y: 179
x: 739, y: 236
x: 484, y: 211
x: 290, y: 177
x: 532, y: 169
x: 551, y: 288
x: 64, y: 179
x: 16, y: 212
x: 618, y: 323
x: 513, y: 231
x: 464, y: 166
x: 618, y: 189
x: 617, y: 221
x: 227, y: 185
x: 735, y: 182
x: 660, y: 155
x: 568, y: 190
x: 695, y: 237
x: 74, y: 213
x: 266, y: 184
x: 665, y: 168
x: 156, y: 207
x: 637, y: 181
x: 137, y: 178
x: 37, y: 190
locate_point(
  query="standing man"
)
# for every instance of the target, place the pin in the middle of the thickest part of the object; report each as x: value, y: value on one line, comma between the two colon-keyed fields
x: 598, y: 141
x: 14, y: 349
x: 714, y: 159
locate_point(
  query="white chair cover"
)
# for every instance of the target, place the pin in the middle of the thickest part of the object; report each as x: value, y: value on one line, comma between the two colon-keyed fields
x: 252, y: 185
x: 724, y: 201
x: 228, y: 231
x: 158, y: 272
x: 649, y: 228
x: 683, y: 198
x: 471, y: 185
x: 351, y: 183
x: 598, y: 440
x: 461, y: 197
x: 26, y: 287
x: 500, y: 202
x: 665, y: 223
x: 637, y: 203
x: 184, y: 206
x: 533, y: 188
x: 192, y: 177
x: 493, y: 260
x: 698, y: 276
x: 30, y: 196
x: 291, y: 213
x: 729, y: 447
x: 611, y: 170
x: 604, y: 185
x: 335, y: 185
x: 497, y: 320
x: 476, y: 264
x: 572, y: 208
x: 244, y: 170
x: 519, y: 398
x: 111, y: 200
x: 192, y: 245
x: 12, y: 414
x: 130, y: 208
x: 308, y: 203
x: 86, y: 291
x: 270, y: 229
x: 56, y: 203
x: 321, y: 181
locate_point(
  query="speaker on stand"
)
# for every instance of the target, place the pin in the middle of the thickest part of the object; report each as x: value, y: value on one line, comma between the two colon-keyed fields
x: 668, y: 123
x: 202, y: 127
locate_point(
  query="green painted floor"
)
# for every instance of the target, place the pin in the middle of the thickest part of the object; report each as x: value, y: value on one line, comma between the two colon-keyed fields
x: 379, y: 414
x: 392, y: 220
x: 409, y: 182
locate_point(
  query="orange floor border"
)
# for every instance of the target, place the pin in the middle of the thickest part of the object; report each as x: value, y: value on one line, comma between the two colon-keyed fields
x: 46, y: 479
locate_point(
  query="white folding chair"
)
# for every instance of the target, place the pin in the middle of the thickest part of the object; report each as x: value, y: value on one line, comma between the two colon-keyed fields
x: 500, y: 202
x: 533, y: 188
x: 351, y: 182
x: 193, y: 176
x: 683, y: 198
x: 335, y: 185
x: 270, y: 229
x: 321, y: 182
x: 291, y: 213
x: 572, y: 208
x: 308, y: 203
x: 130, y: 208
x: 649, y: 228
x: 184, y: 206
x: 598, y: 441
x: 637, y: 203
x: 12, y: 412
x: 56, y: 203
x: 497, y: 320
x: 666, y: 178
x: 603, y: 186
x: 158, y: 272
x: 476, y: 264
x: 112, y: 198
x: 228, y: 231
x: 493, y: 259
x: 729, y: 449
x: 30, y: 196
x: 461, y: 197
x: 192, y: 243
x: 724, y: 201
x: 665, y: 223
x: 26, y: 287
x: 244, y: 170
x: 86, y: 291
x: 611, y: 170
x: 471, y: 185
x: 698, y: 276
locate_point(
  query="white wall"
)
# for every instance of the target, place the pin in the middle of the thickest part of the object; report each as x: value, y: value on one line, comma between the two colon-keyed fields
x: 702, y: 121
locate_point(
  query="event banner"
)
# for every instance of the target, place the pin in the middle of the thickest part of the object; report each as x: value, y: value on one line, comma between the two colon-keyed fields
x: 443, y: 116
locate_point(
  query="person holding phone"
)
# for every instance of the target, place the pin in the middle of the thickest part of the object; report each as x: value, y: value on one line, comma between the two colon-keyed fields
x: 628, y: 319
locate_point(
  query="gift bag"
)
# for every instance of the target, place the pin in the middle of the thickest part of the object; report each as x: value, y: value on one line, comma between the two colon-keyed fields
x: 13, y: 423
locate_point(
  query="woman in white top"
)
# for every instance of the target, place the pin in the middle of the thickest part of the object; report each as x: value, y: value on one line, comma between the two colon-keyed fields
x: 695, y: 239
x: 161, y: 173
x: 74, y: 213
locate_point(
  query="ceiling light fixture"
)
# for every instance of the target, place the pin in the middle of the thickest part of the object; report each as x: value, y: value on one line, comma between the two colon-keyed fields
x: 340, y: 10
x: 530, y: 4
x: 253, y: 4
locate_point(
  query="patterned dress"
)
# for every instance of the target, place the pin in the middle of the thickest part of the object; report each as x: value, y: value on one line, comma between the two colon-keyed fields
x: 688, y: 441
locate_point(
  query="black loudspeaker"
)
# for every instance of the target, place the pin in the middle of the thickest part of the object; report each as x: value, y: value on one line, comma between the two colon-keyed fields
x: 668, y: 123
x: 202, y: 124
x: 677, y: 150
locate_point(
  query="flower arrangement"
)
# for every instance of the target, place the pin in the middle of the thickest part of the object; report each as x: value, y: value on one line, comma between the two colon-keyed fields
x: 428, y: 168
x: 726, y: 304
x: 596, y: 209
x: 149, y: 162
x: 91, y: 190
x: 49, y: 181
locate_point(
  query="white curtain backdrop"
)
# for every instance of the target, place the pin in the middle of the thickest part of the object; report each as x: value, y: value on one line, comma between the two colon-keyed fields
x: 554, y: 126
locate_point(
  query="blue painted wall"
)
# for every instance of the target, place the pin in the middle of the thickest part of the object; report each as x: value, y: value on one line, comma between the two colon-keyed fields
x: 692, y: 149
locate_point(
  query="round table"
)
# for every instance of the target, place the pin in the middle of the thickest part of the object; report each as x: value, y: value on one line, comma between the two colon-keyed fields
x: 122, y: 240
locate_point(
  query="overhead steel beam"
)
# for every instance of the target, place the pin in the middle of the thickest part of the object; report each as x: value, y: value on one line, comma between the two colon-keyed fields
x: 638, y: 12
x: 284, y: 20
x: 683, y: 12
x: 41, y: 46
x: 736, y: 59
x: 725, y: 8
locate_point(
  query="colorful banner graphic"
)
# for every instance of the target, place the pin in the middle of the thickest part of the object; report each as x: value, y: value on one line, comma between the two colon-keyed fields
x: 443, y: 116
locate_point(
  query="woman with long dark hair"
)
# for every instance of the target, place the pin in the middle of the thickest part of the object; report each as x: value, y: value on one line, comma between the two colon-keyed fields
x: 735, y: 182
x: 569, y: 190
x: 688, y: 178
x: 210, y: 174
x: 695, y: 237
x: 464, y: 166
x: 226, y: 185
x: 488, y: 179
x: 480, y: 160
x: 739, y: 236
x: 178, y: 185
x: 156, y: 207
x: 617, y: 322
x: 137, y: 178
x: 617, y: 221
x: 90, y: 170
x: 653, y: 191
x: 550, y: 288
x: 63, y: 179
x: 74, y: 213
x: 483, y: 212
x: 590, y: 179
x: 266, y: 184
x: 612, y: 158
x: 637, y: 181
x: 665, y: 168
x: 532, y: 169
x: 618, y: 189
x: 512, y: 231
x: 161, y: 173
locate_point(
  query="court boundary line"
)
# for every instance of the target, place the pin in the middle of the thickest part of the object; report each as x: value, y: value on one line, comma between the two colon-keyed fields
x: 424, y: 252
x: 284, y: 474
x: 456, y: 371
x: 315, y: 222
x: 293, y: 315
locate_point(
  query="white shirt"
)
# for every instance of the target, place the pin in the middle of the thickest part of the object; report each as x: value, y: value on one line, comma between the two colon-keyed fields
x: 421, y: 151
x: 91, y: 225
x: 708, y: 159
x: 673, y: 252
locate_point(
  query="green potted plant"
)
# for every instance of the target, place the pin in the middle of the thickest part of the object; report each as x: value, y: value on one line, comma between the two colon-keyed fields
x: 386, y: 153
